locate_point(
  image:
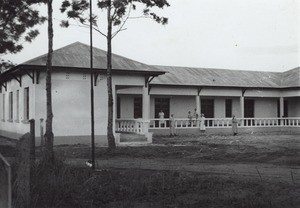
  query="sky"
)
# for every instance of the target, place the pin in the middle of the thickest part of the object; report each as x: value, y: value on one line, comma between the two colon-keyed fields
x: 258, y: 35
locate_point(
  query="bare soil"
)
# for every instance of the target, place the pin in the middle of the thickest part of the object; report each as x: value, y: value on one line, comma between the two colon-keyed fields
x: 256, y: 170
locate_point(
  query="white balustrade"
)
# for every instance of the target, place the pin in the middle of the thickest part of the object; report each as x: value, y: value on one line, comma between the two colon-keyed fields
x: 131, y: 125
x: 185, y: 123
x: 140, y: 126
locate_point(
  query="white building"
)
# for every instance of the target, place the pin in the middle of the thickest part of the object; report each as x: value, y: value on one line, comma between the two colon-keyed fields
x: 261, y: 100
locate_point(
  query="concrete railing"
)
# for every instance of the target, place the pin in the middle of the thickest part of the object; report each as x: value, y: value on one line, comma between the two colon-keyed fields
x: 181, y: 123
x: 138, y: 126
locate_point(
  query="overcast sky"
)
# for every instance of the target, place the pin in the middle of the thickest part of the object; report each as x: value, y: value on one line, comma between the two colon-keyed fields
x: 260, y: 35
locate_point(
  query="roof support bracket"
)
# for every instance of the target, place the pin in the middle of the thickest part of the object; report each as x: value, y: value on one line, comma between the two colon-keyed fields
x: 4, y: 84
x: 30, y: 74
x: 18, y: 78
x: 37, y: 77
x: 149, y: 89
x: 243, y: 91
x: 148, y: 79
x: 95, y: 78
x: 199, y: 90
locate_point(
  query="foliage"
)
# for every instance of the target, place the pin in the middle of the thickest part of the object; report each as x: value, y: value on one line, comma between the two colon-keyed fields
x: 5, y: 65
x: 76, y: 10
x: 17, y: 20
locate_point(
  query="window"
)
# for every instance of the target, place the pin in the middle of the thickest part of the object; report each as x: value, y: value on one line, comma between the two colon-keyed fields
x: 17, y: 106
x: 138, y: 107
x: 228, y: 108
x: 3, y: 110
x: 162, y: 104
x: 26, y: 103
x: 207, y: 108
x: 10, y: 107
x: 249, y: 108
x: 84, y: 76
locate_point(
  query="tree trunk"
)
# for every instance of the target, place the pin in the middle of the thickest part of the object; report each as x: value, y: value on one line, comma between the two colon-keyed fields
x: 49, y: 154
x: 110, y: 135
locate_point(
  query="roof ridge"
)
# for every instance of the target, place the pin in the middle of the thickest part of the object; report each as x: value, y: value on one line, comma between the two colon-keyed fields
x: 239, y: 70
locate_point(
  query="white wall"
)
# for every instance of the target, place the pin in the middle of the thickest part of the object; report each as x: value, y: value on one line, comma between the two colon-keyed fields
x: 265, y: 107
x: 17, y: 126
x: 180, y: 105
x: 219, y: 108
x: 236, y: 107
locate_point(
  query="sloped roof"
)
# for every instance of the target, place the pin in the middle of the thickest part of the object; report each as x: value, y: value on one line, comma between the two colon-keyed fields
x: 77, y: 55
x: 217, y: 77
x: 291, y: 78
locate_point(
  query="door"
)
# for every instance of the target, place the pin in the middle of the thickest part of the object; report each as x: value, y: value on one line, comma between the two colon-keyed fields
x: 207, y: 108
x: 164, y: 105
x: 249, y: 110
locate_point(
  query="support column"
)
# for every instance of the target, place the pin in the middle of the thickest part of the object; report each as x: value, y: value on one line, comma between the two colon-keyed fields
x: 146, y: 114
x: 198, y: 105
x: 146, y: 104
x: 281, y: 109
x: 242, y: 109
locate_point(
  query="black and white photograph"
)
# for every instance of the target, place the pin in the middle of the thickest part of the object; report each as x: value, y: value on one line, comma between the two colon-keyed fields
x: 149, y: 103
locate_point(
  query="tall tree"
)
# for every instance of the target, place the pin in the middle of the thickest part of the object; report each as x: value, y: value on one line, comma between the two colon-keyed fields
x: 17, y: 20
x: 49, y: 136
x: 118, y: 13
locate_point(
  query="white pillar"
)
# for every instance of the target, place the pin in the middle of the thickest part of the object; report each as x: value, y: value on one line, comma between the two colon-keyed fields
x: 146, y: 114
x: 146, y: 104
x: 198, y: 105
x: 242, y: 106
x: 242, y: 109
x: 281, y: 109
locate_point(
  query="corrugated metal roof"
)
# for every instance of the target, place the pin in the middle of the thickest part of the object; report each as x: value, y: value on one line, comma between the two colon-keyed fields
x: 291, y: 78
x: 77, y: 55
x: 217, y: 77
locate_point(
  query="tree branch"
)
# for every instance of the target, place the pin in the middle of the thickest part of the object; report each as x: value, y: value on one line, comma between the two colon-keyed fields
x: 124, y: 22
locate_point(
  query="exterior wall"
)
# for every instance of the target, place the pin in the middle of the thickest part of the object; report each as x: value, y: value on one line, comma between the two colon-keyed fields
x: 236, y: 107
x: 70, y: 105
x: 263, y: 93
x: 17, y: 126
x: 180, y: 105
x: 294, y: 107
x: 219, y: 108
x: 265, y: 107
x: 291, y: 93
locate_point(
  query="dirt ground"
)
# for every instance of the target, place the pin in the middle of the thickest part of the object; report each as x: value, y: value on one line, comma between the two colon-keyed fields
x: 263, y: 163
x: 275, y: 154
x: 258, y: 155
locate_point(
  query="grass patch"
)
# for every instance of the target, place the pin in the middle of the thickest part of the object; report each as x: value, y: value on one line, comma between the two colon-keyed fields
x: 64, y: 186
